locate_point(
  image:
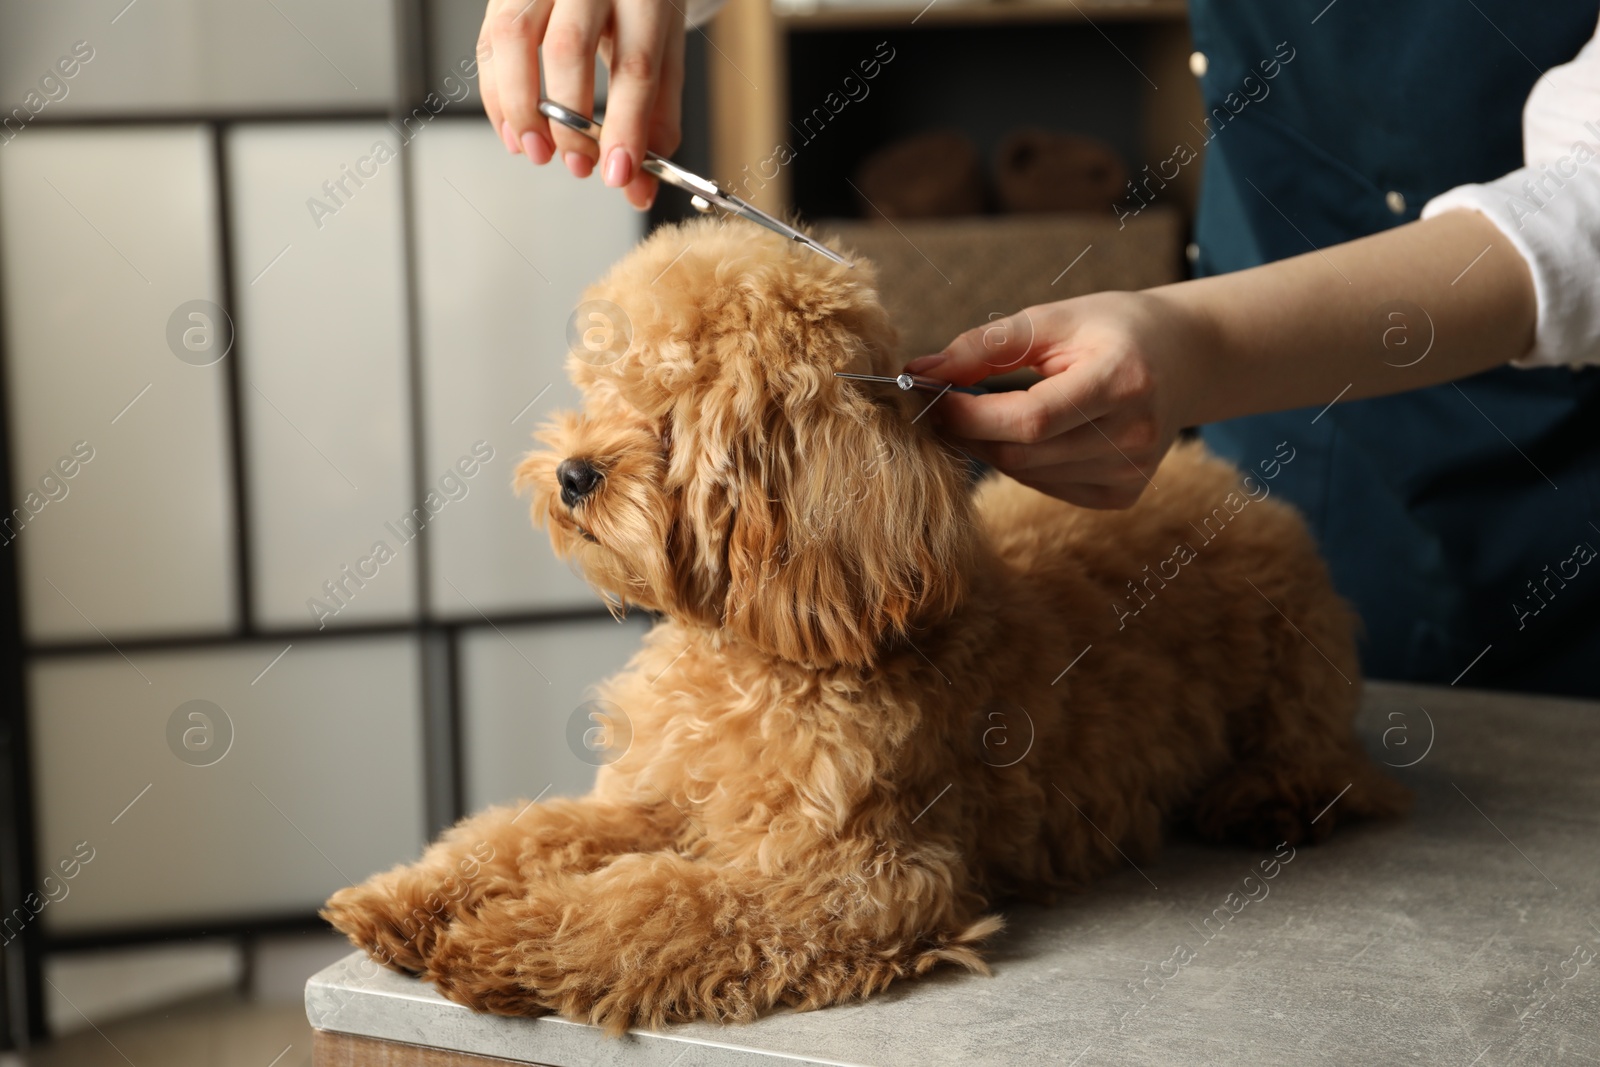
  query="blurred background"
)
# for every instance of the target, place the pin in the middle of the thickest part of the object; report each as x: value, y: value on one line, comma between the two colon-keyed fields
x: 278, y: 315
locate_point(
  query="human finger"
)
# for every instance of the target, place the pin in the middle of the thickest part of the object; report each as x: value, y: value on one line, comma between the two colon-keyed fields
x: 488, y: 92
x: 637, y: 54
x: 516, y: 29
x: 1046, y: 409
x: 1113, y: 442
x: 666, y: 124
x: 570, y: 43
x: 996, y: 347
x: 1099, y: 497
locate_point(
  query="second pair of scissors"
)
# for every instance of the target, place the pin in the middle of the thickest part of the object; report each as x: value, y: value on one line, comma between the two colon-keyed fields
x: 705, y: 194
x: 907, y: 382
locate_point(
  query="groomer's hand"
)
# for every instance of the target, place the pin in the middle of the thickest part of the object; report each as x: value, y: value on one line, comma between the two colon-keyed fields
x: 1116, y: 369
x: 641, y: 43
x: 1123, y: 372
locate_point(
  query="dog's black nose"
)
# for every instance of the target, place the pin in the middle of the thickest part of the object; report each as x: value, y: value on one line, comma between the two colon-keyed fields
x: 578, y: 479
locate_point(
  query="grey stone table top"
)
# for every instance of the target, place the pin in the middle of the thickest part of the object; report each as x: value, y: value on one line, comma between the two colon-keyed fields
x: 1466, y: 934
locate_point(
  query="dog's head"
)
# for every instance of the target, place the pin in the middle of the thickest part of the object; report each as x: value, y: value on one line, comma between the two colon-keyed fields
x: 720, y: 474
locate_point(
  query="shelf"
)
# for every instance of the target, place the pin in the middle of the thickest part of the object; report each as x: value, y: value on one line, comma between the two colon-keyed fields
x: 976, y: 13
x: 747, y: 122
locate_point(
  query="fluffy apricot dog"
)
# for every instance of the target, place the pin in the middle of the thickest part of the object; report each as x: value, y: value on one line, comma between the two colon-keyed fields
x: 851, y: 732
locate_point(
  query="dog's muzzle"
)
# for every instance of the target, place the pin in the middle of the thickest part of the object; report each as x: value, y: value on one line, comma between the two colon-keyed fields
x: 578, y: 478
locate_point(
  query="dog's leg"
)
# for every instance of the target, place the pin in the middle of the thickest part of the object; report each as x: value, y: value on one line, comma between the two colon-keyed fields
x: 1300, y: 769
x: 659, y: 937
x: 1296, y: 799
x: 396, y: 916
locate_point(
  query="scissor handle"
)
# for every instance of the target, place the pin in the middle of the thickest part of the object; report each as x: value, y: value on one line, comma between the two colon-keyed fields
x: 664, y: 169
x: 570, y: 119
x: 687, y: 180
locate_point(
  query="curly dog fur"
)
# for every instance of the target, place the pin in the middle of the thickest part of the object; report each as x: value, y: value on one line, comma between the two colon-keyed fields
x: 815, y: 801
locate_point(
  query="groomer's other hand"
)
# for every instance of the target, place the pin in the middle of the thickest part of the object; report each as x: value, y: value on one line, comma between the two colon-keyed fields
x: 1116, y: 366
x: 641, y: 43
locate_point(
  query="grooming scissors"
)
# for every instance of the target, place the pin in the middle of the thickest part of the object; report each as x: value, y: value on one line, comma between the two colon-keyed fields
x: 907, y: 382
x: 704, y: 194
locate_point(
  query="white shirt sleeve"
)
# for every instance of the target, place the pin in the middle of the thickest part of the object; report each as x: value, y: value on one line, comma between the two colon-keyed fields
x: 1550, y: 209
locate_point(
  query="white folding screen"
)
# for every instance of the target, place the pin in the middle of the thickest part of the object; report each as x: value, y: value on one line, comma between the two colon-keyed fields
x: 504, y: 250
x: 107, y: 234
x: 290, y: 783
x: 319, y: 283
x: 521, y: 689
x: 189, y: 56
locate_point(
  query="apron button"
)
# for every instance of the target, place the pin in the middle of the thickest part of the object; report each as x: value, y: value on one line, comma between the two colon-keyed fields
x: 1396, y: 201
x: 1191, y: 252
x: 1197, y: 64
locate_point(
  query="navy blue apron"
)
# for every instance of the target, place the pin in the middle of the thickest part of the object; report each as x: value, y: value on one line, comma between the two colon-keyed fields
x: 1461, y: 519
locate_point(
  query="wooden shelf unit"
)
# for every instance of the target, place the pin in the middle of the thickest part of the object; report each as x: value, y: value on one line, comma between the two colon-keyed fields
x: 748, y: 72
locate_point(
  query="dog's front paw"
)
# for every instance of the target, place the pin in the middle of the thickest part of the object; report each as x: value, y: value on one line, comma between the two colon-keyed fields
x: 495, y: 966
x: 390, y: 916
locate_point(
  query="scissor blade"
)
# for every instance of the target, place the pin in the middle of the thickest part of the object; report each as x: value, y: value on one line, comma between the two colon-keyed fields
x: 688, y: 180
x: 818, y: 246
x: 761, y: 218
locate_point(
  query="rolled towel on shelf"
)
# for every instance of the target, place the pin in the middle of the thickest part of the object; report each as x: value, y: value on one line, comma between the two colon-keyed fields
x: 926, y: 176
x: 1044, y: 171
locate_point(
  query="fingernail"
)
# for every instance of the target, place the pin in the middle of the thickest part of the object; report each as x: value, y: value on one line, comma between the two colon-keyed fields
x: 536, y: 148
x: 925, y: 363
x: 619, y: 167
x: 508, y: 137
x: 578, y: 164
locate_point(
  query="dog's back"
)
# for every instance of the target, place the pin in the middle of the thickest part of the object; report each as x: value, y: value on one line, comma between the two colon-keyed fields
x: 1187, y: 657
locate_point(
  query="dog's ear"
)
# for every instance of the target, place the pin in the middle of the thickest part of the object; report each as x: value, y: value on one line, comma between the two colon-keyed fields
x: 849, y: 527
